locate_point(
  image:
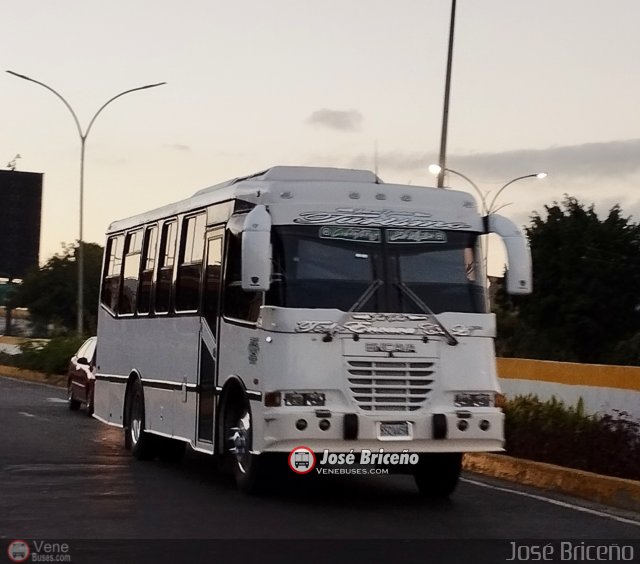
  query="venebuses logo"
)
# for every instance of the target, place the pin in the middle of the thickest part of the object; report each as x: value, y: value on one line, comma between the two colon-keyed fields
x: 18, y: 551
x: 302, y: 460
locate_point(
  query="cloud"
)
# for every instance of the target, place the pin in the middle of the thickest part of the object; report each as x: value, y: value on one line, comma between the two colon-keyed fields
x: 606, y: 159
x: 178, y: 147
x: 613, y: 158
x: 396, y: 161
x: 341, y: 120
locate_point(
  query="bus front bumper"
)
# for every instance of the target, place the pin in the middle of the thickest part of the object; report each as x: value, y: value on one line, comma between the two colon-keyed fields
x: 466, y: 431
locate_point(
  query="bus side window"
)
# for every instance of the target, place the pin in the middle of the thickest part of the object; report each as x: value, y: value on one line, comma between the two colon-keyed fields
x: 213, y: 274
x: 111, y: 275
x: 238, y: 304
x: 130, y: 272
x: 165, y: 266
x: 148, y: 264
x: 190, y: 263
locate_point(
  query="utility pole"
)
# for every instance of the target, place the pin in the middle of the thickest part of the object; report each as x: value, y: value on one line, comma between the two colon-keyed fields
x: 447, y: 89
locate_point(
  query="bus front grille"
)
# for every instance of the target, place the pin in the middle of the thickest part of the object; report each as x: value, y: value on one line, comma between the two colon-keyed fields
x: 381, y: 384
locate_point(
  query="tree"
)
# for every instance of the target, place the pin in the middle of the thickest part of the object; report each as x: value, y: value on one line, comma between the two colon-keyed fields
x: 585, y: 306
x: 50, y: 292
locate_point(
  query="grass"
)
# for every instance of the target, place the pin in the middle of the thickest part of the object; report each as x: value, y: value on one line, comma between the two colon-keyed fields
x: 558, y: 434
x: 50, y: 357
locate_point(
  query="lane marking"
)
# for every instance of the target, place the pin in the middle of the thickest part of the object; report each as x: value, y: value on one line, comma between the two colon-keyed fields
x: 57, y: 400
x: 27, y: 414
x: 554, y: 502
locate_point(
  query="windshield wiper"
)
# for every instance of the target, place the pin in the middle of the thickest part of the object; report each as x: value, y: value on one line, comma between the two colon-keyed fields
x: 451, y: 340
x: 364, y: 298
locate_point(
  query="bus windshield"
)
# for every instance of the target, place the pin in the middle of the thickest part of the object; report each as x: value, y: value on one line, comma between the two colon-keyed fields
x: 371, y: 269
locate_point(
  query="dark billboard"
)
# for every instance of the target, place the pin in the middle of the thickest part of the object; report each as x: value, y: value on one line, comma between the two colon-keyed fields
x: 20, y: 214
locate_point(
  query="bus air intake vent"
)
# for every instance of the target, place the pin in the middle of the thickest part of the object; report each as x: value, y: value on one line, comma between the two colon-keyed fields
x: 380, y: 384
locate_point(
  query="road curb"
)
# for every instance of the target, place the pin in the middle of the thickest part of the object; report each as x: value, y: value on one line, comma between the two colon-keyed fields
x: 32, y: 376
x: 616, y: 492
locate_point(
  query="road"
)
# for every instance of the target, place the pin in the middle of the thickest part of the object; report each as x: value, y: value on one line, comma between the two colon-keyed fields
x: 66, y: 476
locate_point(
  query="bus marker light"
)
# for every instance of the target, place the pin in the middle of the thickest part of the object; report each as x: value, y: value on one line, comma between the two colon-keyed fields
x: 293, y: 398
x: 299, y: 399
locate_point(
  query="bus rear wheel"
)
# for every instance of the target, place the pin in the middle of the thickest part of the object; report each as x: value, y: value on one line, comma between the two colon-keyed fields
x: 437, y: 474
x: 136, y: 439
x: 251, y: 471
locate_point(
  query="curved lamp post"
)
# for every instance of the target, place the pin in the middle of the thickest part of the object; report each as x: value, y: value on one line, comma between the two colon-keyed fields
x: 539, y: 175
x: 487, y: 210
x: 436, y: 170
x: 83, y: 139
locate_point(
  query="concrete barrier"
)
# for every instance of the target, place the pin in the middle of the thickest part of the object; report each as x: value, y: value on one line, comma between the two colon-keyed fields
x: 602, y: 388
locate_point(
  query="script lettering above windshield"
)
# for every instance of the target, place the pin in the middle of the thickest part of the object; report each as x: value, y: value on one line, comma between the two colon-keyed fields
x: 416, y: 236
x: 368, y: 328
x: 351, y: 234
x: 378, y: 218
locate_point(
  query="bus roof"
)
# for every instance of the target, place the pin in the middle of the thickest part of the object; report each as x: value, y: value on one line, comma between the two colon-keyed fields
x: 303, y: 187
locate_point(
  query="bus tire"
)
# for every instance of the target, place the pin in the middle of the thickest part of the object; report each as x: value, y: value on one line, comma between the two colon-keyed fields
x: 251, y: 471
x: 136, y: 439
x: 73, y: 404
x: 170, y: 450
x: 437, y: 474
x: 89, y: 407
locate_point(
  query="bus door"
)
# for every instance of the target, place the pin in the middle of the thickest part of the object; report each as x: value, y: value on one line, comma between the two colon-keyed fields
x: 209, y: 339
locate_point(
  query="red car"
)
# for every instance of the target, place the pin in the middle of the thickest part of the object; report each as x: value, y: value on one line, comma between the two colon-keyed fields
x: 81, y: 377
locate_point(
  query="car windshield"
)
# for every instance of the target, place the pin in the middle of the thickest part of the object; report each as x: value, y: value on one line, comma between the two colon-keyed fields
x: 370, y: 269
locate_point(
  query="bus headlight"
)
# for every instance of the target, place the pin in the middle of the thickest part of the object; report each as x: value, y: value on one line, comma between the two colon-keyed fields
x: 304, y: 398
x: 474, y: 399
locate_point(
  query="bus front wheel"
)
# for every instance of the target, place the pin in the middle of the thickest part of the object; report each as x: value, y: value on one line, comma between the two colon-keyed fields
x: 251, y: 471
x: 437, y: 474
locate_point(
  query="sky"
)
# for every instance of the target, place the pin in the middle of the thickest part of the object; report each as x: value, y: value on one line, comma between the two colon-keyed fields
x: 536, y: 86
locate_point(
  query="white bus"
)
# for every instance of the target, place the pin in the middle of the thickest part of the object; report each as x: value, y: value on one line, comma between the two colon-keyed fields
x: 305, y: 306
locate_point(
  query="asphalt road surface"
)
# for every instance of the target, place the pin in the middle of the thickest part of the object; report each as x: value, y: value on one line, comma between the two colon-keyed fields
x: 66, y: 477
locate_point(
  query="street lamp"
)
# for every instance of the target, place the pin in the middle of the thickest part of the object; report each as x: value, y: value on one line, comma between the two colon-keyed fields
x: 539, y: 175
x: 486, y: 209
x: 436, y: 170
x: 83, y: 139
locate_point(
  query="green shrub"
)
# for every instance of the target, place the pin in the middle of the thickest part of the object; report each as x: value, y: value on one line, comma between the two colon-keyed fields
x: 552, y: 432
x: 50, y: 357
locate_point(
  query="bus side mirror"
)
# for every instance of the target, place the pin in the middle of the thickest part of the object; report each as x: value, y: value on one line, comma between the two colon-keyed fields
x: 518, y: 280
x: 256, y: 250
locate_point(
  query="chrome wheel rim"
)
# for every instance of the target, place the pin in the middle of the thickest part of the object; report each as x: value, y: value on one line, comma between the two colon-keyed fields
x: 239, y: 440
x: 136, y: 422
